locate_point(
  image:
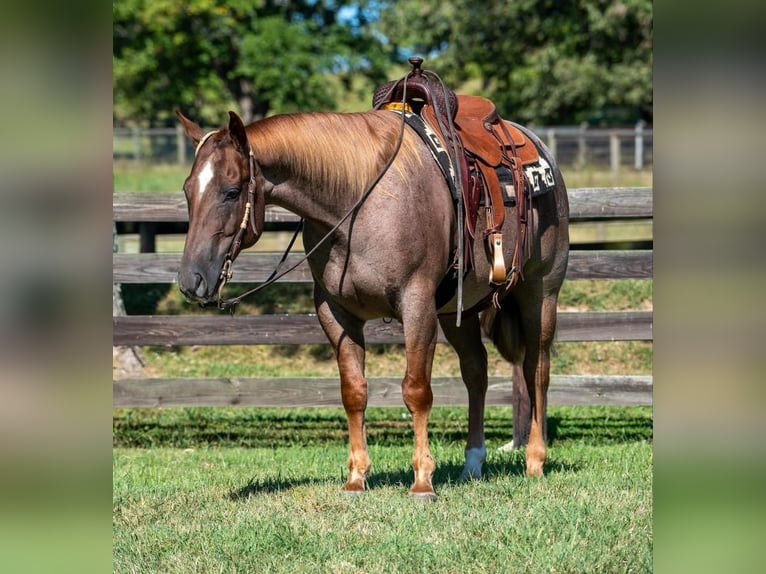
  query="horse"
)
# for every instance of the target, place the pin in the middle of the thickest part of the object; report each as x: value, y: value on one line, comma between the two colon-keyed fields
x: 385, y: 261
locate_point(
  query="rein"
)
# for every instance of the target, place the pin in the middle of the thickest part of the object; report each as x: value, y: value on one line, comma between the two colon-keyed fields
x: 226, y: 272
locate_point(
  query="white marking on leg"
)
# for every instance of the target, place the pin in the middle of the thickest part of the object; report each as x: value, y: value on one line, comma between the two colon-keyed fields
x: 474, y: 460
x: 205, y: 176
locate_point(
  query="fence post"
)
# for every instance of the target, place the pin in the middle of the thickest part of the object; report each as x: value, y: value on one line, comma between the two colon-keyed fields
x: 137, y: 143
x: 551, y: 136
x: 639, y: 161
x: 180, y: 145
x: 147, y: 237
x: 582, y: 146
x: 614, y: 154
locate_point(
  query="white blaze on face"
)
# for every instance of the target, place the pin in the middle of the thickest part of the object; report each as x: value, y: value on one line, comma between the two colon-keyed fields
x: 205, y: 176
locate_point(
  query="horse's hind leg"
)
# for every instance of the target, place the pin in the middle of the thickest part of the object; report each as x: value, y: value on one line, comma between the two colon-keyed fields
x: 503, y: 326
x: 346, y: 334
x: 466, y: 340
x: 539, y: 324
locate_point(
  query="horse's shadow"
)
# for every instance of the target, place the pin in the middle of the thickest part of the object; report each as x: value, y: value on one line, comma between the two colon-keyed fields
x: 448, y: 473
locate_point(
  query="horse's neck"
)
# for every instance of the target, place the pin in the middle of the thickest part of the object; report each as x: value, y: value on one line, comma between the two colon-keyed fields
x: 318, y: 164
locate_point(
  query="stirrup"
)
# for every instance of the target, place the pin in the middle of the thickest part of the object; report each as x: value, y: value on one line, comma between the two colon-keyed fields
x: 497, y: 267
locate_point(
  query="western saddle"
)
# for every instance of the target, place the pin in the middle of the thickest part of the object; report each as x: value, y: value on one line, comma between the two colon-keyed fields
x: 489, y: 154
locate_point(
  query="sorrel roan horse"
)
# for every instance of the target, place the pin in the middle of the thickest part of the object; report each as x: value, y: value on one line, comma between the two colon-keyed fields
x: 385, y: 261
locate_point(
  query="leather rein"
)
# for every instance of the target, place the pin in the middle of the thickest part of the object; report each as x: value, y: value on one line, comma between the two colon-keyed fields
x: 249, y: 218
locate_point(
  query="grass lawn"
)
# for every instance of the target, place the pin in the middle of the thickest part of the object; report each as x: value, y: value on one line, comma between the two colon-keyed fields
x: 257, y: 490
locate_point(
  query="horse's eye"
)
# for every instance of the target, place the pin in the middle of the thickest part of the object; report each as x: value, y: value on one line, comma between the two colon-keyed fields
x: 231, y: 193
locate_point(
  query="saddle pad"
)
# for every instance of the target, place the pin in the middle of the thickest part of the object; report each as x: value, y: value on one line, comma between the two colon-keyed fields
x: 435, y: 146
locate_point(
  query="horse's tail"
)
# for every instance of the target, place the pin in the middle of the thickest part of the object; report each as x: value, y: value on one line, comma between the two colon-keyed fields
x: 503, y: 326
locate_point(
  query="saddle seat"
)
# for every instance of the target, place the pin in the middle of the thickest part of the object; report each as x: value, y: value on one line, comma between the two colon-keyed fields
x: 477, y: 118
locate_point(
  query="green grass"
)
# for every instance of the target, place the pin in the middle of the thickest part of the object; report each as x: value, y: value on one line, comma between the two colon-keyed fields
x: 132, y: 176
x: 187, y: 500
x: 207, y: 427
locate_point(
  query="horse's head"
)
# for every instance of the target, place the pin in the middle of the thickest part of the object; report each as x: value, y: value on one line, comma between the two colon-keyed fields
x: 224, y: 193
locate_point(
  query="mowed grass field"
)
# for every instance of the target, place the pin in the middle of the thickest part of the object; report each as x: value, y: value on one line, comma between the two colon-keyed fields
x: 257, y: 490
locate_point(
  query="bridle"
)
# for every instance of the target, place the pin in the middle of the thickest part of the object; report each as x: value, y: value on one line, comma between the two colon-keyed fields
x: 248, y: 218
x: 236, y: 242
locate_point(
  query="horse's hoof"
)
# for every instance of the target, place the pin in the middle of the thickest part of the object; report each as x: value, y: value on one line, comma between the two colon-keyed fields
x: 474, y: 461
x: 424, y: 496
x: 469, y: 476
x: 534, y: 470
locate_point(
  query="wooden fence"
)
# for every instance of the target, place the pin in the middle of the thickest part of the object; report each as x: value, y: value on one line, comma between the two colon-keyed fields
x: 570, y: 145
x: 586, y: 204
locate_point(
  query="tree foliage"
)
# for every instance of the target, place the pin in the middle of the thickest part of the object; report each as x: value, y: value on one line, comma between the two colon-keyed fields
x: 541, y: 61
x: 256, y: 56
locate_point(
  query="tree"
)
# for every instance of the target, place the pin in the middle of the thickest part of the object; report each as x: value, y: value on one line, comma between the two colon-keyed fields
x: 258, y: 57
x: 541, y: 61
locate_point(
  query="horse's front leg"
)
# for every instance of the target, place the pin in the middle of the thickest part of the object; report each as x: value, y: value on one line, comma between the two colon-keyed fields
x: 346, y: 334
x: 420, y: 342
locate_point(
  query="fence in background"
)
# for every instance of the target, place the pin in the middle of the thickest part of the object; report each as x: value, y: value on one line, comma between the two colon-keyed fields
x: 602, y: 204
x: 576, y: 146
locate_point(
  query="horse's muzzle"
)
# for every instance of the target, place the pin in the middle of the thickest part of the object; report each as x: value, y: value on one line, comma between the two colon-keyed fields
x: 195, y: 287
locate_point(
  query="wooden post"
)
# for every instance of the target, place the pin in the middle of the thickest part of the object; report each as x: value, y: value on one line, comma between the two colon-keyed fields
x: 582, y: 146
x: 180, y: 145
x: 551, y: 133
x: 639, y: 157
x: 137, y: 143
x: 126, y: 361
x: 147, y: 234
x: 614, y: 155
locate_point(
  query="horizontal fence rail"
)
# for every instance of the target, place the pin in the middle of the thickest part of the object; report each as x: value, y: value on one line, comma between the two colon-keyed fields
x: 586, y: 204
x: 256, y: 267
x: 225, y: 329
x: 383, y: 391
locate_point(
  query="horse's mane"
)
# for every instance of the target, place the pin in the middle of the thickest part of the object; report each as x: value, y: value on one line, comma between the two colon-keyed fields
x: 339, y: 153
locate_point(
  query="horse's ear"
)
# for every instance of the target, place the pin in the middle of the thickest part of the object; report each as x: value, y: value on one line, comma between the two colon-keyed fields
x: 238, y: 133
x: 193, y: 131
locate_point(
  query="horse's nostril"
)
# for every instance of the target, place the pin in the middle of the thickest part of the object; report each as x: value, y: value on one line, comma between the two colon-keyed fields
x: 199, y: 285
x: 192, y: 284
